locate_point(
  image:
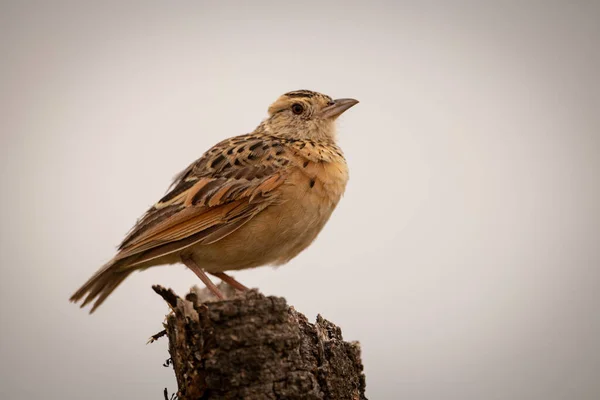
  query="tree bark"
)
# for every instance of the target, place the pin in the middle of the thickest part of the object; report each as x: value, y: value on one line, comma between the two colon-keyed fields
x: 257, y: 347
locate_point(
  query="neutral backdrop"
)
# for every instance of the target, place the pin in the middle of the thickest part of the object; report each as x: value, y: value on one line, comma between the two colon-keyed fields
x: 464, y: 255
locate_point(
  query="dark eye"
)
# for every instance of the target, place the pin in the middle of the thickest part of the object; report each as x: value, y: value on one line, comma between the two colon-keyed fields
x: 297, y: 108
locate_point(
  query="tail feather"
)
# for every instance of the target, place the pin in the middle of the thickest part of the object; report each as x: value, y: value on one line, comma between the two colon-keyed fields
x: 102, y: 284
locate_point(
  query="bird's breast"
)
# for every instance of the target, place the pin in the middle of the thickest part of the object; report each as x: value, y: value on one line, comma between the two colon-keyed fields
x: 281, y: 231
x: 318, y: 184
x: 311, y: 194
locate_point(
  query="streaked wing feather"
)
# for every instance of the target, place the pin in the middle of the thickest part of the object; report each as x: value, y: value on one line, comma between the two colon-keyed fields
x: 207, y: 236
x: 213, y: 197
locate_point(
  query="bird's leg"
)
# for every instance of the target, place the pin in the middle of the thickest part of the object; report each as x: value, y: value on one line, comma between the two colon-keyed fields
x: 230, y: 281
x: 191, y: 264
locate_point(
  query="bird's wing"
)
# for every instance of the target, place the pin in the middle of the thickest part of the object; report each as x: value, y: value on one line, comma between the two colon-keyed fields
x: 232, y: 182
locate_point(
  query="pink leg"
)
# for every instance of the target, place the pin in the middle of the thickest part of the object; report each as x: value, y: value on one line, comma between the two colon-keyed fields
x: 191, y: 264
x: 230, y: 281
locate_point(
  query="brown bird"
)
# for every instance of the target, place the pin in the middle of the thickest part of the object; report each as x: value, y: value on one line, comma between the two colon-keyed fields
x: 251, y: 200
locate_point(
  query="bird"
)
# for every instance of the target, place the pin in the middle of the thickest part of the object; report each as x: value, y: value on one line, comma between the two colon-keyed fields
x: 251, y: 200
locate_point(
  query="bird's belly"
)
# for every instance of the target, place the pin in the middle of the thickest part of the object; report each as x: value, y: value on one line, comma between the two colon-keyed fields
x: 278, y: 233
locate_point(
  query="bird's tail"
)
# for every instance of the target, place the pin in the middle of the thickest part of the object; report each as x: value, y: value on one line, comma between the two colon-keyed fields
x: 102, y: 284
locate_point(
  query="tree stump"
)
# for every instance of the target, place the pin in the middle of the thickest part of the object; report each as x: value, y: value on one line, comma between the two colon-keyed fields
x: 257, y: 347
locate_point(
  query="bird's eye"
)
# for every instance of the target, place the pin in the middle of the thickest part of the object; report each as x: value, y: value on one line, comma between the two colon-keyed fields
x: 297, y: 108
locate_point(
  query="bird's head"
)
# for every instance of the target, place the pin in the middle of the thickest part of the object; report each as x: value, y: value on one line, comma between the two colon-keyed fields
x: 303, y: 114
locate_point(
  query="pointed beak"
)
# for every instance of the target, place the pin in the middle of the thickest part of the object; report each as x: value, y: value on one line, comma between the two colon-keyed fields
x: 337, y: 108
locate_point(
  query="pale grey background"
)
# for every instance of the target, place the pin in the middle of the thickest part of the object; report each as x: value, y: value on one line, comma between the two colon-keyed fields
x: 464, y: 255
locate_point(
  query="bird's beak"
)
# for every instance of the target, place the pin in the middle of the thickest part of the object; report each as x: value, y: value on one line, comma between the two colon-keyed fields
x: 337, y: 108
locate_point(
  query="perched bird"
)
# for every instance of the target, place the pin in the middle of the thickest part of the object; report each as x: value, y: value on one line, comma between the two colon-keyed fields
x: 251, y: 200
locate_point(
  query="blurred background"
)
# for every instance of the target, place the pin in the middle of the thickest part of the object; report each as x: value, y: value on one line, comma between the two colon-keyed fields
x: 464, y: 256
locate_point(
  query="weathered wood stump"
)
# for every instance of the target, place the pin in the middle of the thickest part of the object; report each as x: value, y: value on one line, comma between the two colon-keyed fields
x: 257, y: 347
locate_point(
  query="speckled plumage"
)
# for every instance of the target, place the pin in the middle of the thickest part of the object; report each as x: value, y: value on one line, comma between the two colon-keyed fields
x: 251, y: 200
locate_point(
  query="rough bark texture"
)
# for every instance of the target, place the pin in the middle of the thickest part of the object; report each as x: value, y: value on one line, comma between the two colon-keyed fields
x: 256, y: 347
